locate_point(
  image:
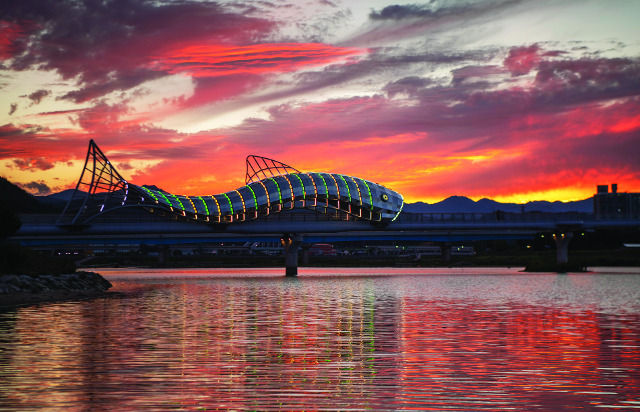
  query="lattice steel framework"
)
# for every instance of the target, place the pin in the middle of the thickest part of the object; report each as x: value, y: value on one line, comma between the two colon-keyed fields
x: 259, y: 168
x: 100, y: 188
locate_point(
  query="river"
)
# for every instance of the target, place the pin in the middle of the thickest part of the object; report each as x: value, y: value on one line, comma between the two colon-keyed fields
x: 331, y: 339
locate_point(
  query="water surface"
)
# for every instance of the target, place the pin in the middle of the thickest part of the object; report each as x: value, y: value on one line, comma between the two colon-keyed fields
x: 331, y: 339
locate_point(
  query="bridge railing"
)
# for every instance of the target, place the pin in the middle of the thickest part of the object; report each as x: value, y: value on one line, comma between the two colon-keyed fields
x: 497, y: 216
x: 309, y: 216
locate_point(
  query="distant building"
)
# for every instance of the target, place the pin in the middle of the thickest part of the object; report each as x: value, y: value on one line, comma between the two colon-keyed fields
x: 615, y: 205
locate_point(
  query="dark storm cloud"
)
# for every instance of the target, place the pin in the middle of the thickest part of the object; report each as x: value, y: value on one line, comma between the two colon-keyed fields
x: 398, y: 22
x: 470, y: 112
x: 37, y: 96
x: 107, y: 45
x: 382, y: 62
x: 38, y: 188
x: 432, y: 12
x: 33, y: 164
x: 409, y: 85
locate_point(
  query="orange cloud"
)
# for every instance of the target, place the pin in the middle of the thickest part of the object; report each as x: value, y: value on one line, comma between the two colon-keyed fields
x: 206, y: 60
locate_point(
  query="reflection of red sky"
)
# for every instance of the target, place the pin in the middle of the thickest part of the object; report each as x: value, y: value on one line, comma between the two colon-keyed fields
x: 513, y: 351
x: 204, y: 345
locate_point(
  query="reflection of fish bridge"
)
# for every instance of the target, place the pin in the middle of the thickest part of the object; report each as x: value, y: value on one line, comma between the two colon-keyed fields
x: 277, y: 203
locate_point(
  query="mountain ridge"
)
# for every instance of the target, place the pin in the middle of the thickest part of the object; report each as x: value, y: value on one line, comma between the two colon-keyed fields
x: 452, y: 204
x: 462, y: 204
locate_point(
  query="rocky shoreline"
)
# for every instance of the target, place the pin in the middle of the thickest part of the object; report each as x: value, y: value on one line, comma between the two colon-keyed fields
x: 18, y: 290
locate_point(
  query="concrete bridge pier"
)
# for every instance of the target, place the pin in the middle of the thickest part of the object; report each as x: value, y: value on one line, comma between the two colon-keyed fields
x: 305, y: 253
x: 445, y: 252
x: 291, y: 246
x: 562, y: 246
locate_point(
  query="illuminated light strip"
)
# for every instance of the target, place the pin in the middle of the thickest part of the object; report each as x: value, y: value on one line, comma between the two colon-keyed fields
x: 244, y: 207
x: 347, y: 185
x: 193, y: 205
x: 206, y: 209
x: 401, y: 206
x: 179, y: 202
x: 266, y: 191
x: 337, y: 187
x: 151, y: 193
x: 326, y: 188
x: 359, y: 193
x: 255, y: 199
x: 126, y: 192
x: 217, y: 205
x: 168, y: 201
x: 369, y: 190
x: 304, y: 192
x: 315, y: 188
x: 230, y: 205
x: 293, y: 196
x: 278, y: 186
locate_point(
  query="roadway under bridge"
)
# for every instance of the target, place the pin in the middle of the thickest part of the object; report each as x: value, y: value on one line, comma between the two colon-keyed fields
x: 293, y: 229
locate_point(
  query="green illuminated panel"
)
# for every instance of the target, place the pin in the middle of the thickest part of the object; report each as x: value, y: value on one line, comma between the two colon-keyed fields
x: 326, y: 188
x: 278, y: 186
x: 304, y: 192
x: 369, y: 190
x: 347, y: 185
x: 357, y: 188
x: 165, y: 198
x: 205, y: 205
x: 179, y: 202
x: 255, y: 199
x: 151, y: 194
x: 228, y: 200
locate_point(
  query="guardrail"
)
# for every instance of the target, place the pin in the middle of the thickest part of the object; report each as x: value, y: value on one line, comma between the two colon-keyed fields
x: 498, y: 216
x: 310, y: 216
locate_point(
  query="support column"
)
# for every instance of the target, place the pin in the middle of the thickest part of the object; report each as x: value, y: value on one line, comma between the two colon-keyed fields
x: 446, y: 252
x: 305, y: 253
x: 562, y: 246
x: 162, y: 254
x: 291, y: 246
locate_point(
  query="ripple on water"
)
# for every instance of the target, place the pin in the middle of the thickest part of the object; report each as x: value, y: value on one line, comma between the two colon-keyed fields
x: 383, y: 339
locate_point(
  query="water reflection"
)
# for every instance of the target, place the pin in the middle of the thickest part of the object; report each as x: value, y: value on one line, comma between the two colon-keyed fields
x: 233, y: 340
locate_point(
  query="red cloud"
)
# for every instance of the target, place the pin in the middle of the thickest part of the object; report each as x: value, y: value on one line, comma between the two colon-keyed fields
x: 10, y: 34
x: 521, y: 60
x: 219, y: 60
x: 32, y: 165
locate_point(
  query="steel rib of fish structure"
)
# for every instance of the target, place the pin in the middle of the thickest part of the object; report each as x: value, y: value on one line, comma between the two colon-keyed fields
x: 271, y: 187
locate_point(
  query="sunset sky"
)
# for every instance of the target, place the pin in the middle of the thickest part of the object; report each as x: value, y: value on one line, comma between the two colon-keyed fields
x: 506, y: 99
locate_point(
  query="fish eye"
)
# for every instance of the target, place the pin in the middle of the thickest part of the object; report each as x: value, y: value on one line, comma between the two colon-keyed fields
x: 384, y: 197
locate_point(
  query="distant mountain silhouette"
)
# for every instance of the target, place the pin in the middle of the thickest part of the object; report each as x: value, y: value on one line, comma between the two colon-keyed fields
x: 65, y: 195
x: 461, y: 204
x: 58, y: 200
x: 15, y: 198
x: 24, y: 202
